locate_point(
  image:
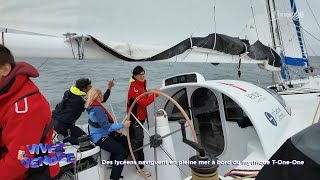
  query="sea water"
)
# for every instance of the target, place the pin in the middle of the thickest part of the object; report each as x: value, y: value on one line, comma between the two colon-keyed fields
x: 58, y: 75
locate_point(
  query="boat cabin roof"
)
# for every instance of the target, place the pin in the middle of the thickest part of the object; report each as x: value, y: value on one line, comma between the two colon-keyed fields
x: 266, y: 110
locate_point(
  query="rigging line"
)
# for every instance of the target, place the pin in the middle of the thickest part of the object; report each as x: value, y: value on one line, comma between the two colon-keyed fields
x: 260, y: 28
x: 214, y: 16
x: 114, y: 115
x: 191, y: 44
x: 311, y: 48
x: 287, y: 24
x: 283, y: 24
x: 295, y: 72
x: 182, y: 59
x: 215, y: 30
x: 313, y: 14
x: 264, y: 34
x: 42, y: 64
x: 306, y: 54
x: 207, y: 40
x: 291, y: 38
x: 316, y: 113
x: 254, y: 20
x: 243, y: 30
x: 310, y: 34
x: 214, y: 24
x: 290, y: 41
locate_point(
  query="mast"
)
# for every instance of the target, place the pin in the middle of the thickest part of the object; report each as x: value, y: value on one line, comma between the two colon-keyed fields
x: 271, y: 24
x: 284, y: 67
x: 277, y: 29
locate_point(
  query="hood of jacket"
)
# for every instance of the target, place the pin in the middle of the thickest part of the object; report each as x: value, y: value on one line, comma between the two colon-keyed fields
x: 21, y: 68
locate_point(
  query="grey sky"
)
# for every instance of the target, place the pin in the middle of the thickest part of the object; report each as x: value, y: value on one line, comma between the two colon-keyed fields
x: 150, y: 21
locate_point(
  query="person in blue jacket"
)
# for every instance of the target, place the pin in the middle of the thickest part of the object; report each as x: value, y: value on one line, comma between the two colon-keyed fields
x: 105, y: 132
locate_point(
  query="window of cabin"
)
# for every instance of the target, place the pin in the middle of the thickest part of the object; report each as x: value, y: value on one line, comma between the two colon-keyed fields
x: 172, y: 110
x: 234, y: 112
x: 206, y: 114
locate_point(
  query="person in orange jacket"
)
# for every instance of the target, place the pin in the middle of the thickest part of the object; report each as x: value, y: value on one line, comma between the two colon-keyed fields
x: 24, y: 115
x: 138, y: 86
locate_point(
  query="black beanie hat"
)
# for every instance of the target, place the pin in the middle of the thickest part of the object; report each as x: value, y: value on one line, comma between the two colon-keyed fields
x: 137, y: 70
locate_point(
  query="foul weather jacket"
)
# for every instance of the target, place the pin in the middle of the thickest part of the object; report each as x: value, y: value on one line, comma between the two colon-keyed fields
x: 140, y: 109
x: 24, y: 114
x: 71, y: 107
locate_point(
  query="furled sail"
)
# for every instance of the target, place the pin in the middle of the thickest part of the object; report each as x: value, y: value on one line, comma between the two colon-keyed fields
x: 207, y: 46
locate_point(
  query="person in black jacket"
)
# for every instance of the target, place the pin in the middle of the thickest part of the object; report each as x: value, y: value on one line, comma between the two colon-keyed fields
x: 68, y: 111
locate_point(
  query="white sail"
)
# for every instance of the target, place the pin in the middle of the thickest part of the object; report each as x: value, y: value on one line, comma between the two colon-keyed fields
x: 309, y: 21
x: 285, y: 14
